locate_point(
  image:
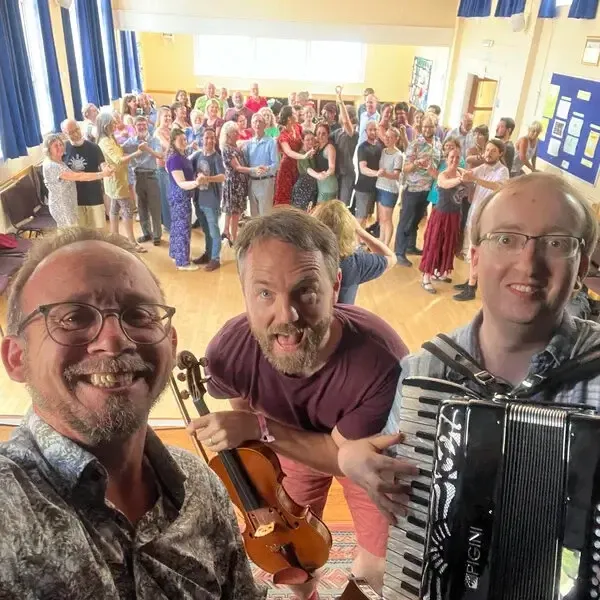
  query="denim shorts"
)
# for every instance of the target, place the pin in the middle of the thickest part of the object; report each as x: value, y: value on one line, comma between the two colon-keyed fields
x: 387, y: 199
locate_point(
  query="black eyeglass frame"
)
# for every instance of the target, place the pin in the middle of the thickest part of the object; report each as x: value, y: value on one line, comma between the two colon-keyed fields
x: 487, y: 238
x: 44, y: 310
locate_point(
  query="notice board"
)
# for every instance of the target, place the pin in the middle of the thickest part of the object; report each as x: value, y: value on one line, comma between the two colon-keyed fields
x: 419, y: 82
x: 571, y: 126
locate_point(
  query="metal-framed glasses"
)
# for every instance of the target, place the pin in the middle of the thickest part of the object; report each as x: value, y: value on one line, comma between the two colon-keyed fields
x: 551, y: 245
x: 79, y: 324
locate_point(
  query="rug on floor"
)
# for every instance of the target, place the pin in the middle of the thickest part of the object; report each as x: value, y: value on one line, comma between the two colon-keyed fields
x: 333, y: 576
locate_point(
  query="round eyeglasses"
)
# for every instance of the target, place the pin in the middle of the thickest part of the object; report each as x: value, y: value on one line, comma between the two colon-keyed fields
x: 79, y: 324
x: 552, y: 246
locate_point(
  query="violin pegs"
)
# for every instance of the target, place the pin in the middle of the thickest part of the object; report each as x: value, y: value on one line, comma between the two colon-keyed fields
x: 181, y: 376
x: 185, y: 394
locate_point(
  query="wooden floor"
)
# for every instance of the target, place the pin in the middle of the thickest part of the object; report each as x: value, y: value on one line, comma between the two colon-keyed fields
x: 204, y: 301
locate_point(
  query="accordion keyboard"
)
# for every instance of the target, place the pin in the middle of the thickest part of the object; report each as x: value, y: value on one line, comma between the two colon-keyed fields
x: 404, y: 557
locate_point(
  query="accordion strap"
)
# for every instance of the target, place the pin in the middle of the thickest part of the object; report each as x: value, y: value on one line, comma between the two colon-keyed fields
x: 459, y: 360
x: 580, y: 368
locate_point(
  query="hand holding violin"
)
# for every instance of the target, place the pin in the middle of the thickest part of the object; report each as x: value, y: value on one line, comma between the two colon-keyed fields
x: 225, y: 430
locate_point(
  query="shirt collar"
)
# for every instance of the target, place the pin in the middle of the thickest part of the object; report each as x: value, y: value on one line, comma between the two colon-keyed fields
x: 68, y: 465
x: 557, y: 351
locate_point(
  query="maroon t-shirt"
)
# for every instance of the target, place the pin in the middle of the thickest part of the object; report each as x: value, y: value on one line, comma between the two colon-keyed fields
x: 354, y: 390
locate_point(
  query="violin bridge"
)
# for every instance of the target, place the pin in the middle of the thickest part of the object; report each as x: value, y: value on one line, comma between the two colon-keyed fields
x: 264, y: 530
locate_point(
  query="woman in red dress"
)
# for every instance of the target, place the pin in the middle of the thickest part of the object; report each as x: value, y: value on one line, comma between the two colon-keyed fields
x: 290, y: 144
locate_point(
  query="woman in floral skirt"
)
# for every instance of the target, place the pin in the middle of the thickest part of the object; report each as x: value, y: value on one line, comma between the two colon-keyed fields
x: 235, y: 186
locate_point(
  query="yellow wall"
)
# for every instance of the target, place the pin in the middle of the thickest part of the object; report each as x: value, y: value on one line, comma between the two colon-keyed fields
x: 168, y: 65
x: 428, y: 13
x: 523, y: 63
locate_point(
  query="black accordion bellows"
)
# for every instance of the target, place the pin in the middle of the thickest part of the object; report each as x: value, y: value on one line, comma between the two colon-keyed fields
x: 506, y: 504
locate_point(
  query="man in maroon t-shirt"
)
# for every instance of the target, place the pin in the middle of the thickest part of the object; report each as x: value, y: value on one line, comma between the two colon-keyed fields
x: 304, y: 375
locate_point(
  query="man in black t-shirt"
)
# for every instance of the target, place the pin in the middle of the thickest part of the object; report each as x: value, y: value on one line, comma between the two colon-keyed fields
x: 85, y: 156
x: 369, y: 153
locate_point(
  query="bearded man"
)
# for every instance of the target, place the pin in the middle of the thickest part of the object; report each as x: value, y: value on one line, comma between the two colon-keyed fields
x: 303, y: 373
x: 93, y: 504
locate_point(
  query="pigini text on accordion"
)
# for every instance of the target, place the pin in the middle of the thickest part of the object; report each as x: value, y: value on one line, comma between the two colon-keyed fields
x: 506, y: 505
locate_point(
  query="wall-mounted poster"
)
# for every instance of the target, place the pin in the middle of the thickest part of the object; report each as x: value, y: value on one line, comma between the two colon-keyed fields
x: 419, y: 83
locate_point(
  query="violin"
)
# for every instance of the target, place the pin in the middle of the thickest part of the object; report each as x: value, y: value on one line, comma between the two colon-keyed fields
x: 281, y: 537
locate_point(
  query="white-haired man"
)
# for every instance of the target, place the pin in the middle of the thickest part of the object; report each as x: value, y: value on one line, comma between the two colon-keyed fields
x: 262, y: 158
x: 84, y: 156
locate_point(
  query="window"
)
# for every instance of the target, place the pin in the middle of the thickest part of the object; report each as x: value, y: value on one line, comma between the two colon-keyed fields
x: 37, y: 62
x: 272, y: 58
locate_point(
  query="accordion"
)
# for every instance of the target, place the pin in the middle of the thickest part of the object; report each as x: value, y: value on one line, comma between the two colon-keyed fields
x: 506, y: 503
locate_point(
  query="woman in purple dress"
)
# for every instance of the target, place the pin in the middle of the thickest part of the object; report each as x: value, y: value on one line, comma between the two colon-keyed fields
x: 235, y: 186
x: 181, y: 183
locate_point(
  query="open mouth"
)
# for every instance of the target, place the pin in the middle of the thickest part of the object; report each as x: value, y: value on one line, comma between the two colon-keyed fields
x: 111, y: 380
x: 290, y: 341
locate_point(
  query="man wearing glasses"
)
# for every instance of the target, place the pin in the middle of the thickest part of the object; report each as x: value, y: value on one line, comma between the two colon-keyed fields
x: 93, y: 505
x: 531, y: 246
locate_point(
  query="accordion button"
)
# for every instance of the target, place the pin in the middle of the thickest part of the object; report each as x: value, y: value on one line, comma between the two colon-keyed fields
x: 597, y: 544
x: 594, y: 581
x: 593, y: 594
x: 596, y: 557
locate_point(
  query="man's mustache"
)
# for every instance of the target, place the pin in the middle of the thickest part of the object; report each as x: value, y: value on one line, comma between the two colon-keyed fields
x: 122, y: 364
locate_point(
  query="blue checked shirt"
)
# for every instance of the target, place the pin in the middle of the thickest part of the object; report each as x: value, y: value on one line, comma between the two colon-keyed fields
x: 573, y: 337
x: 262, y: 151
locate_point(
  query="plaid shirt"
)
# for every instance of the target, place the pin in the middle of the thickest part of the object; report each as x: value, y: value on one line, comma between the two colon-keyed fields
x: 573, y: 337
x: 420, y: 180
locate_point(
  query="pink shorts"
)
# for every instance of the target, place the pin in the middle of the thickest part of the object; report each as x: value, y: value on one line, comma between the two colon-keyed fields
x: 308, y: 487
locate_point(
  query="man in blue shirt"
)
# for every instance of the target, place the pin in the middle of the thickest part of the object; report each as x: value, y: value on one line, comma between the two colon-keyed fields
x: 207, y: 198
x: 147, y: 189
x: 262, y: 158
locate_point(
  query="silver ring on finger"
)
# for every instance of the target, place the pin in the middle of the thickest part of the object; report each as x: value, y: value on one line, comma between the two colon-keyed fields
x: 210, y: 441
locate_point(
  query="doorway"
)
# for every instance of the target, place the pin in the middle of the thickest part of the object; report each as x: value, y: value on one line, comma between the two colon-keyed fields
x: 481, y: 100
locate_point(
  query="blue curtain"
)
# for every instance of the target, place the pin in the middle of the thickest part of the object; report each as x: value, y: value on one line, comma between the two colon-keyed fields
x: 131, y: 64
x: 19, y: 118
x: 72, y: 64
x: 507, y: 8
x: 90, y: 38
x: 583, y: 9
x: 114, y: 81
x: 475, y: 8
x: 547, y: 9
x: 59, y: 111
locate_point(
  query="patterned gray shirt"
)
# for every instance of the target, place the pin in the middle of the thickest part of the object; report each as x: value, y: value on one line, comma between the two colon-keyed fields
x: 572, y: 338
x: 60, y: 538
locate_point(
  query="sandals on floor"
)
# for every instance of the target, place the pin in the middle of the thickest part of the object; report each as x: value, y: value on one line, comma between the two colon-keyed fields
x: 441, y: 279
x: 139, y: 249
x: 428, y: 287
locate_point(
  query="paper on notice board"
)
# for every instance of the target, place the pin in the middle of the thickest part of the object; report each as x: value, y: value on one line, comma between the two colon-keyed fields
x: 562, y: 112
x: 592, y: 143
x: 553, y: 147
x: 558, y: 129
x: 545, y: 123
x: 551, y: 100
x: 570, y: 145
x: 587, y: 163
x: 583, y: 95
x: 575, y: 126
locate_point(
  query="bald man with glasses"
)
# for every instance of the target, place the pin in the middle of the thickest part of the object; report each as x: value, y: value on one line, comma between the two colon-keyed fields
x: 93, y: 504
